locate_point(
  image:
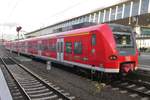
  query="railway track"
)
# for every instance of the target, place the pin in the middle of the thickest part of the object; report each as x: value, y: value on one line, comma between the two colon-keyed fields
x: 32, y: 86
x: 141, y: 75
x: 16, y: 92
x: 137, y: 87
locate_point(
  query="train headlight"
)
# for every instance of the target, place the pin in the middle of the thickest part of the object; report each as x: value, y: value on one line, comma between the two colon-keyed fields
x: 113, y: 57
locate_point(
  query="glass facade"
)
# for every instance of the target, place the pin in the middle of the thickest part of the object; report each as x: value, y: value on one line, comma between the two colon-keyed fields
x: 101, y: 17
x: 113, y: 12
x: 135, y: 7
x: 144, y: 6
x: 119, y: 11
x: 107, y: 15
x: 83, y: 18
x: 96, y: 17
x: 127, y: 9
x: 79, y: 20
x: 91, y: 19
x: 145, y: 31
x: 86, y: 18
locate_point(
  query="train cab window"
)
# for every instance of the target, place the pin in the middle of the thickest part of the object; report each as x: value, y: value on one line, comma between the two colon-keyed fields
x: 93, y: 39
x: 77, y: 48
x: 68, y: 47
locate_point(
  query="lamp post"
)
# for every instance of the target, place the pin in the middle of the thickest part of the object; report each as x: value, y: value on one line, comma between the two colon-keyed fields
x: 18, y: 30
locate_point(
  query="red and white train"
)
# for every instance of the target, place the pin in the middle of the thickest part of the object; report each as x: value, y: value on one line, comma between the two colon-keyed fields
x: 108, y: 48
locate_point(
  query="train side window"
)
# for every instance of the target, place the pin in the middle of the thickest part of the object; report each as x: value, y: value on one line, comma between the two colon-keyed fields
x: 53, y: 48
x: 44, y: 48
x: 50, y: 46
x: 68, y: 47
x: 93, y: 39
x: 39, y: 46
x: 77, y: 48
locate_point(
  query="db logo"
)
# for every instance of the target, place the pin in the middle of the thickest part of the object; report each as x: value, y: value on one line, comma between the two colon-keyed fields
x: 128, y: 58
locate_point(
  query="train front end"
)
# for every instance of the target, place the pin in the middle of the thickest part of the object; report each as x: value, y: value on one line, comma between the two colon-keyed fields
x: 121, y: 54
x: 127, y: 54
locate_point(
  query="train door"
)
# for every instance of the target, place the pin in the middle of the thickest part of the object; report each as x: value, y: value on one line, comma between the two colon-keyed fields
x: 39, y: 48
x: 60, y: 49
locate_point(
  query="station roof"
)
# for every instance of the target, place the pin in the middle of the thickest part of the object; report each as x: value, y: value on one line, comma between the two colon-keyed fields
x: 123, y: 12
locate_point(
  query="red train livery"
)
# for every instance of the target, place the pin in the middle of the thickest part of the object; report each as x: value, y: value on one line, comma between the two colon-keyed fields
x: 108, y: 48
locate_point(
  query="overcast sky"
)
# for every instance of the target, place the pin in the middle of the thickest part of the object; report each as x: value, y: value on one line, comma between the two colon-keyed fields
x: 34, y: 14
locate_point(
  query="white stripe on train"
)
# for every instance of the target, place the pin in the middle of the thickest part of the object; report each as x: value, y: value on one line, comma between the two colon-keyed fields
x: 107, y: 70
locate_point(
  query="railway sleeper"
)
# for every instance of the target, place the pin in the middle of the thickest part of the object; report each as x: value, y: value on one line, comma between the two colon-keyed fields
x: 41, y: 94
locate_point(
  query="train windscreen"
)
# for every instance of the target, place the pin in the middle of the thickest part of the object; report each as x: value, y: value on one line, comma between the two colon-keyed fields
x: 122, y: 35
x: 124, y: 39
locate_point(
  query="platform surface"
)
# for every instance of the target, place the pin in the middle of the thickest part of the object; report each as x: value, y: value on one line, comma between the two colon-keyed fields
x: 144, y: 61
x: 4, y: 90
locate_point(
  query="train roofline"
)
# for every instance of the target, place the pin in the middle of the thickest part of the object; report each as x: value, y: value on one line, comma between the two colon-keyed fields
x: 85, y: 29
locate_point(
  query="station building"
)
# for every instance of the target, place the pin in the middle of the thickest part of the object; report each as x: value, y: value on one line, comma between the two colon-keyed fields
x: 135, y: 13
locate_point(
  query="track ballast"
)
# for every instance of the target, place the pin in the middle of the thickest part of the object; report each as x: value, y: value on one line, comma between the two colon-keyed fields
x: 33, y: 86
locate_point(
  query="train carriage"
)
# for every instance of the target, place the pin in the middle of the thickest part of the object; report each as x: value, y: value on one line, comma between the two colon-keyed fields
x: 108, y: 48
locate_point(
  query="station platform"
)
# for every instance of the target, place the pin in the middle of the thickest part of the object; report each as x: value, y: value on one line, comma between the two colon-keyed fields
x: 144, y: 67
x: 4, y: 90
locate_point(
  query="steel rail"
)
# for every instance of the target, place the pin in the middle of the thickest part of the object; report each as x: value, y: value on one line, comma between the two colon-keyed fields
x: 65, y: 97
x: 132, y: 90
x: 139, y: 83
x: 18, y: 84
